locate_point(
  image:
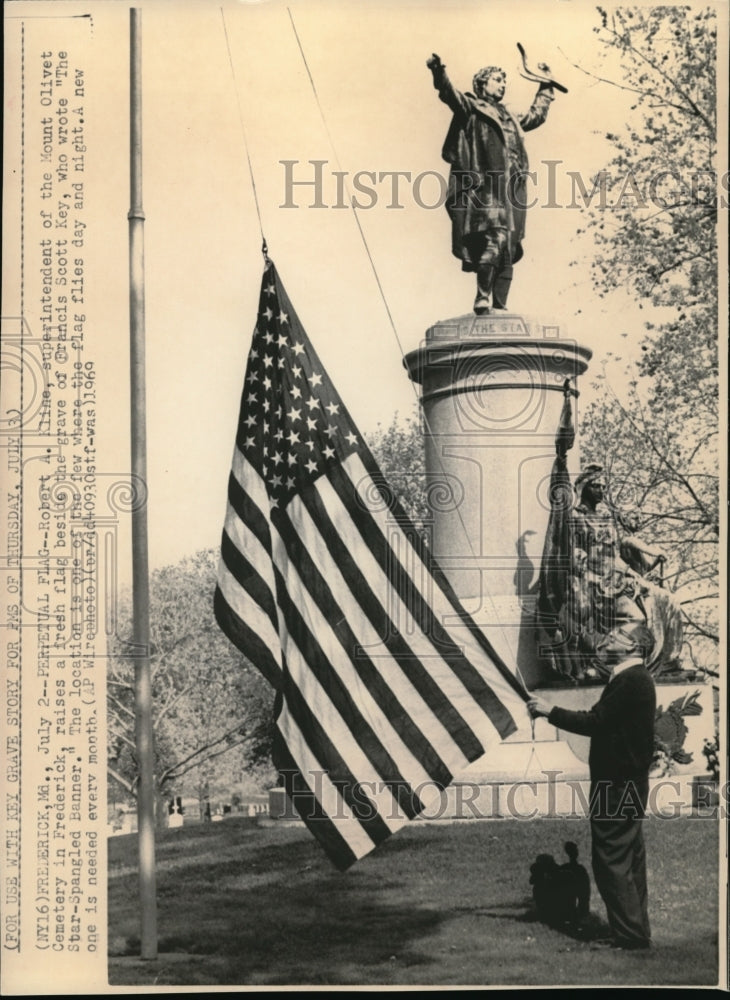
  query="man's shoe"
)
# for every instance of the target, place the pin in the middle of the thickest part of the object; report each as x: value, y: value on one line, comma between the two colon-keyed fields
x: 600, y: 944
x: 632, y: 944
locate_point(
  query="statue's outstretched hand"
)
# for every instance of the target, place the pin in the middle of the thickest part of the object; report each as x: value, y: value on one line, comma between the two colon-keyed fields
x: 544, y: 68
x: 434, y: 63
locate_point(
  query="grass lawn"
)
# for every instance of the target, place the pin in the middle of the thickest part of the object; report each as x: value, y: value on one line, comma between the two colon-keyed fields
x: 437, y: 905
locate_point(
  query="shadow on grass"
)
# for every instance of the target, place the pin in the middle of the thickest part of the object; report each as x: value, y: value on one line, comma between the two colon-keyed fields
x: 275, y: 913
x: 242, y: 905
x: 592, y: 928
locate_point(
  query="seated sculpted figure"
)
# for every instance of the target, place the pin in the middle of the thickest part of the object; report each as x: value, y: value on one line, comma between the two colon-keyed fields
x: 607, y: 592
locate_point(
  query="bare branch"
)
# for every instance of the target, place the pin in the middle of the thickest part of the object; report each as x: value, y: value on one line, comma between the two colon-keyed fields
x: 702, y: 597
x: 204, y: 749
x: 663, y: 101
x: 119, y: 705
x: 124, y: 738
x: 120, y: 684
x: 172, y: 701
x: 175, y: 773
x: 703, y: 631
x: 661, y: 456
x: 127, y: 785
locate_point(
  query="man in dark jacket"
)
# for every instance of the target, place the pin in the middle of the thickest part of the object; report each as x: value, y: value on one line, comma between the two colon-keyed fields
x: 621, y: 727
x: 487, y: 196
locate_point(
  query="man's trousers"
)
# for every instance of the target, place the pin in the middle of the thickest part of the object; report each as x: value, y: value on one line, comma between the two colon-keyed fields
x: 619, y: 859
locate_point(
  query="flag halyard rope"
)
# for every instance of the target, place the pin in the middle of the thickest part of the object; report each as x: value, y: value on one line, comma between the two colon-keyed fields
x: 264, y: 246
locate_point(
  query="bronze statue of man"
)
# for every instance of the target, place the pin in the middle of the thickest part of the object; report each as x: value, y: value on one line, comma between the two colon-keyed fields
x: 487, y: 195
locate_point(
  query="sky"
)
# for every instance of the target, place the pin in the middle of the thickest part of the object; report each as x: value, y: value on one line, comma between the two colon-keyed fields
x: 222, y: 84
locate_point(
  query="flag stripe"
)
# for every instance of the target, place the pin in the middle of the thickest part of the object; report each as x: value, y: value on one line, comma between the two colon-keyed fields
x: 446, y: 606
x: 248, y: 509
x: 380, y: 686
x: 326, y: 759
x: 261, y: 575
x: 248, y: 577
x: 327, y: 619
x: 426, y: 625
x: 408, y: 663
x: 245, y: 638
x: 320, y: 684
x: 248, y: 610
x: 379, y: 563
x: 312, y: 812
x: 444, y: 591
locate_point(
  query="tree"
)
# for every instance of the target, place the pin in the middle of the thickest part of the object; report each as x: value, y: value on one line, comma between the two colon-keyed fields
x: 656, y: 235
x: 212, y: 710
x: 655, y: 231
x: 399, y: 452
x: 660, y: 488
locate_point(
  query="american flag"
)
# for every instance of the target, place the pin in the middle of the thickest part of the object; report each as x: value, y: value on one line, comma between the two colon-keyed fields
x: 385, y: 686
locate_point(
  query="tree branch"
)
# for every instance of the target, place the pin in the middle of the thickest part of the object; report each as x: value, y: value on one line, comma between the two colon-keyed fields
x: 128, y: 786
x: 118, y: 704
x: 174, y: 773
x: 122, y: 684
x: 204, y: 749
x: 664, y: 102
x: 702, y: 597
x: 662, y: 458
x: 123, y: 737
x: 703, y: 631
x: 172, y: 701
x: 674, y: 85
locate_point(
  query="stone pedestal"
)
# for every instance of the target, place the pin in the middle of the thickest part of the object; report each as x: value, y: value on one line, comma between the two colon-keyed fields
x: 492, y: 396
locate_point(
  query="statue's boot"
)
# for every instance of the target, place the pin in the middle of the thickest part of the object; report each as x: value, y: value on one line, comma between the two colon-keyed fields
x: 485, y: 283
x: 501, y: 287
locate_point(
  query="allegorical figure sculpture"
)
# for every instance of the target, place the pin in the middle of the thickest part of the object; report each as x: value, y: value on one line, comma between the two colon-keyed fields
x: 594, y: 588
x: 487, y: 196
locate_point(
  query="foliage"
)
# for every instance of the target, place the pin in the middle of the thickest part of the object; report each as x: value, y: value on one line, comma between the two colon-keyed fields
x: 211, y: 708
x: 655, y: 236
x: 658, y: 239
x: 399, y: 452
x: 663, y: 485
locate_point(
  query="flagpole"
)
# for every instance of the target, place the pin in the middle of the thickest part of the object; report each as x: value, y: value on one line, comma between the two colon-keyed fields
x: 140, y: 569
